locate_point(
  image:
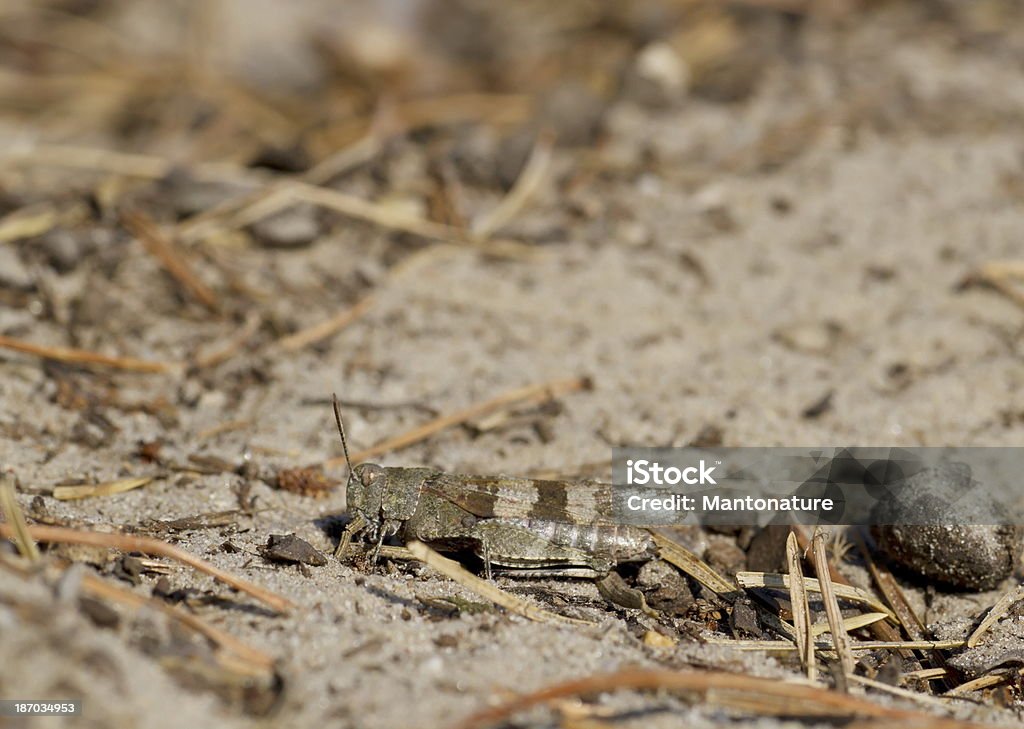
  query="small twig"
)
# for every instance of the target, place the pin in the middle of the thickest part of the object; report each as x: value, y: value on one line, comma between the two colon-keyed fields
x: 864, y: 645
x: 161, y: 248
x: 890, y: 589
x: 16, y: 519
x: 777, y: 581
x: 998, y: 610
x: 840, y: 639
x: 998, y: 275
x: 87, y: 358
x: 146, y: 545
x: 101, y: 588
x: 232, y: 346
x: 68, y: 493
x: 28, y: 222
x: 759, y: 696
x: 453, y: 570
x: 917, y: 696
x: 678, y: 555
x: 132, y: 165
x: 529, y: 181
x: 801, y: 608
x: 538, y: 393
x: 326, y: 328
x: 986, y: 681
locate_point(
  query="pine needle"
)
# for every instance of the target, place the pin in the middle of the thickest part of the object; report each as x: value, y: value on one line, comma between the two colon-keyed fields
x: 801, y: 609
x: 16, y: 519
x: 840, y: 639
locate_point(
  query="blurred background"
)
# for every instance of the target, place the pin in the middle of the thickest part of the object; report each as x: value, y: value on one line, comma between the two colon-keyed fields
x: 562, y: 226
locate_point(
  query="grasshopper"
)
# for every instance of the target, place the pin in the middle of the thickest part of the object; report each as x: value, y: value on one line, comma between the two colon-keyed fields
x: 537, y: 527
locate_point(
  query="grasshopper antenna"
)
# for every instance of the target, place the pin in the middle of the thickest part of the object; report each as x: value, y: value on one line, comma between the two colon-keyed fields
x: 341, y: 432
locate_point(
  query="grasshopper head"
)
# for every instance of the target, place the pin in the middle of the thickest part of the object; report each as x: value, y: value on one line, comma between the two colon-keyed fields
x: 366, y: 492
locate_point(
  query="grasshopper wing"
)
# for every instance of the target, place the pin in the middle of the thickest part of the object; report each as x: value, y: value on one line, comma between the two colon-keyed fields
x: 571, y: 502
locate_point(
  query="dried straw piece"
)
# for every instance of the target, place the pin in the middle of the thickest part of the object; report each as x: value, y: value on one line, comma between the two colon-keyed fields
x: 453, y: 570
x: 999, y: 275
x: 982, y: 682
x: 146, y: 545
x: 164, y: 250
x: 131, y: 165
x: 538, y: 393
x: 14, y: 516
x: 917, y: 696
x: 890, y: 589
x: 866, y: 645
x: 326, y: 328
x: 87, y: 358
x: 840, y: 639
x: 527, y: 184
x: 28, y: 222
x: 773, y: 580
x: 802, y: 621
x: 101, y: 588
x: 678, y: 555
x: 232, y: 346
x: 998, y: 610
x: 68, y: 493
x: 758, y: 696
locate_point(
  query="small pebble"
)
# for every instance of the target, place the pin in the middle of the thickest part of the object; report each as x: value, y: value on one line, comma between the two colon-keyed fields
x: 294, y: 227
x: 665, y: 589
x: 767, y: 550
x: 13, y: 273
x: 64, y: 249
x: 724, y: 556
x: 966, y: 556
x: 289, y: 548
x: 659, y: 76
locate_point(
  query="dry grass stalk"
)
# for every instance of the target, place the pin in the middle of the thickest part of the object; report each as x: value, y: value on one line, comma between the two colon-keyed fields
x: 164, y: 250
x: 1000, y: 275
x: 327, y: 328
x: 864, y: 645
x: 802, y: 621
x: 998, y: 610
x: 538, y: 393
x: 87, y: 358
x: 454, y: 571
x: 758, y: 696
x: 16, y: 519
x: 146, y: 545
x: 840, y: 639
x: 232, y: 346
x: 854, y: 622
x: 68, y: 493
x: 917, y: 696
x: 890, y: 589
x: 678, y: 555
x: 526, y: 186
x: 892, y: 593
x: 926, y: 674
x: 982, y: 682
x: 100, y: 588
x: 777, y: 581
x: 28, y: 222
x: 144, y: 166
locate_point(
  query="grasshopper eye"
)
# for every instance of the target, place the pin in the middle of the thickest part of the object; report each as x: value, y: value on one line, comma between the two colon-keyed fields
x: 370, y: 473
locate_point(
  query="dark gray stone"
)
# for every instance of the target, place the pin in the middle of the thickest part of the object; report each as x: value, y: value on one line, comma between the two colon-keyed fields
x: 970, y: 555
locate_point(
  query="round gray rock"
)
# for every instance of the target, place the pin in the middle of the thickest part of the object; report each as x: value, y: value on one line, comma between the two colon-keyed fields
x: 912, y: 528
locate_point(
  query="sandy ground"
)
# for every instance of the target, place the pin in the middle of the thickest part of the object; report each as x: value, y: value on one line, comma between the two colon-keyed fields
x: 712, y: 267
